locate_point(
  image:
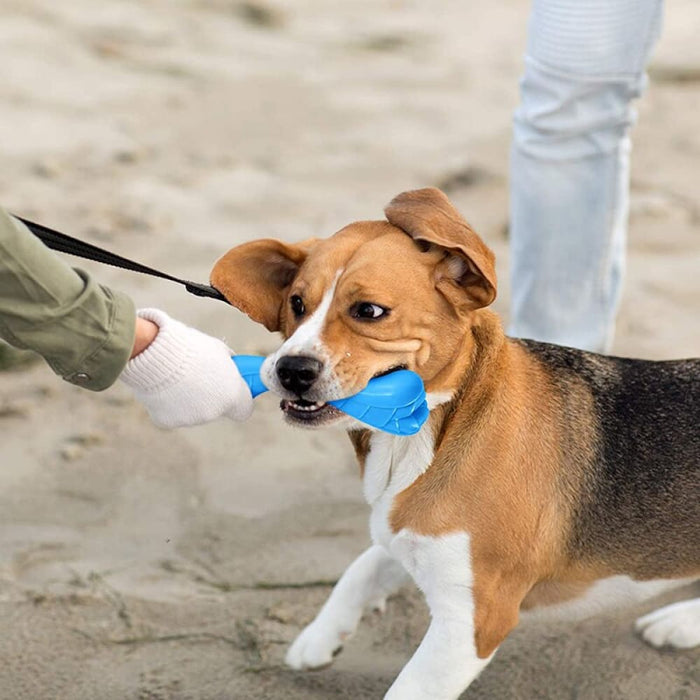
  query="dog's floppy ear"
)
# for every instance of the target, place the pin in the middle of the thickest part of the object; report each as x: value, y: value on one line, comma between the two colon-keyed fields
x: 427, y: 215
x: 254, y: 277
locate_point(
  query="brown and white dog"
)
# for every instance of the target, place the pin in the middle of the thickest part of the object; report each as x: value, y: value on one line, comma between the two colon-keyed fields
x: 541, y: 470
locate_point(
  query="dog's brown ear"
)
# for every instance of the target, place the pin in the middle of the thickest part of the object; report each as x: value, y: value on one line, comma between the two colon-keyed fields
x: 428, y: 215
x: 255, y: 276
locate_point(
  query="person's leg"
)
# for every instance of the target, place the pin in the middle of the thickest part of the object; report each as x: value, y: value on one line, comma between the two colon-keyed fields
x: 570, y: 166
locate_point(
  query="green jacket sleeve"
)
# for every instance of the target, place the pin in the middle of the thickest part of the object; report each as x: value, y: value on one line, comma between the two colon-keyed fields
x: 83, y: 330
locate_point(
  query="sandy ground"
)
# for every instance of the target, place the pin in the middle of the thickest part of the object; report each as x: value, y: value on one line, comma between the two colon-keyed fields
x: 136, y: 563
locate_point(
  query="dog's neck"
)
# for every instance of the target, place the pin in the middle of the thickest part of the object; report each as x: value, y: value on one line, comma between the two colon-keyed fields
x: 469, y: 377
x: 472, y: 375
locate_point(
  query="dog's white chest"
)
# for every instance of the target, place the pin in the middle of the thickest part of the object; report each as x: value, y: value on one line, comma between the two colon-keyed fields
x: 392, y: 465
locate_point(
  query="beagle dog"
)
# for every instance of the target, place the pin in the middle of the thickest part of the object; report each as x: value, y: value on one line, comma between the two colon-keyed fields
x: 541, y: 470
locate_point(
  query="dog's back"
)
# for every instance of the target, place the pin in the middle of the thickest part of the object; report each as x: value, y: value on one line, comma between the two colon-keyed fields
x: 640, y: 509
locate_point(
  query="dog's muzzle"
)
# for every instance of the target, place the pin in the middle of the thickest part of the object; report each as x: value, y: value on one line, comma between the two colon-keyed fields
x: 298, y: 373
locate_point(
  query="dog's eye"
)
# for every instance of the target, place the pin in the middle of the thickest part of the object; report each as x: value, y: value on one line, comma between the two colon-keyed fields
x: 297, y: 304
x: 368, y: 311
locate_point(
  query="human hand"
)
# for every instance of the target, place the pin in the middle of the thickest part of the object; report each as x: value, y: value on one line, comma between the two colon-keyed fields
x: 146, y: 332
x: 185, y: 377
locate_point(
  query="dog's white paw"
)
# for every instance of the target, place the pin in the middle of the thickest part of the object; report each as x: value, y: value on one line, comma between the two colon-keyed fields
x: 676, y: 625
x: 316, y: 646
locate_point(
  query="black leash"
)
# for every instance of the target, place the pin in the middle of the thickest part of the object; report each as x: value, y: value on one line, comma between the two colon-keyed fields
x: 67, y: 244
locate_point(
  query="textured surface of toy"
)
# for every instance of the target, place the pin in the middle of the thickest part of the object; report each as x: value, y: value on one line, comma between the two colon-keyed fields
x: 394, y: 403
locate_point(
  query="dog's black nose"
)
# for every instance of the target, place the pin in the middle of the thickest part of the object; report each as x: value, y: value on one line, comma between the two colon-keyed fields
x: 298, y: 372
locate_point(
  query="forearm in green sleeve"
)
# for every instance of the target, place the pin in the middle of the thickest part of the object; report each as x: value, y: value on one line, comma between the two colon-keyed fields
x: 84, y: 331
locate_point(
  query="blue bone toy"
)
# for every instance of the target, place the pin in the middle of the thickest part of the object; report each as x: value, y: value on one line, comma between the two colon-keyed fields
x: 394, y: 403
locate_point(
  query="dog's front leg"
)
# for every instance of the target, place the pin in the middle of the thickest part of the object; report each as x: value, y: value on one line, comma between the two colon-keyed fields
x: 447, y: 660
x: 366, y: 583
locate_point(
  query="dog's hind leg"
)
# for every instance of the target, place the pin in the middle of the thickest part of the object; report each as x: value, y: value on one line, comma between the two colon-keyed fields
x: 676, y: 625
x: 603, y: 596
x: 367, y: 582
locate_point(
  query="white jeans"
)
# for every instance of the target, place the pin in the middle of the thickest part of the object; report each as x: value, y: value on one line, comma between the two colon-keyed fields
x: 569, y: 184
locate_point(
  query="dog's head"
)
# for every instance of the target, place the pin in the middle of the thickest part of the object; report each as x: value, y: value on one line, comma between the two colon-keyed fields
x: 374, y: 297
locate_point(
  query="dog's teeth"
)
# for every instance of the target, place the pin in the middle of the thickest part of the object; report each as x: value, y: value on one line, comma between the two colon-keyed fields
x: 311, y: 407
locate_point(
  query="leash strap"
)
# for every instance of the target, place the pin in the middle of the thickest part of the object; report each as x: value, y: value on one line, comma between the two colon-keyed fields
x: 67, y: 244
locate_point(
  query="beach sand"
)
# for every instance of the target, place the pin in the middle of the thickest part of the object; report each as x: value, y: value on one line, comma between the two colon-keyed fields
x: 138, y: 563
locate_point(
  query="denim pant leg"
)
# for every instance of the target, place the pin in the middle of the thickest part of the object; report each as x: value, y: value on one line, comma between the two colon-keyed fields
x: 570, y: 166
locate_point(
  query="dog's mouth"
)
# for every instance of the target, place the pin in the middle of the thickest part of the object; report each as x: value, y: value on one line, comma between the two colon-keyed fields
x: 313, y: 414
x: 309, y: 413
x: 384, y: 372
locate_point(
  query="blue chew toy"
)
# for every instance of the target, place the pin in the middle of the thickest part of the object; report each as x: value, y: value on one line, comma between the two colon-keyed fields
x: 394, y: 403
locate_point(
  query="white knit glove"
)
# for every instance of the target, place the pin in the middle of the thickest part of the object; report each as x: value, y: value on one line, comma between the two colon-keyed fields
x: 185, y: 377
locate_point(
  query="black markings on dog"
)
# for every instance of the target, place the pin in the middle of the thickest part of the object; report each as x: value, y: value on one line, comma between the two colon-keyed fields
x: 639, y: 512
